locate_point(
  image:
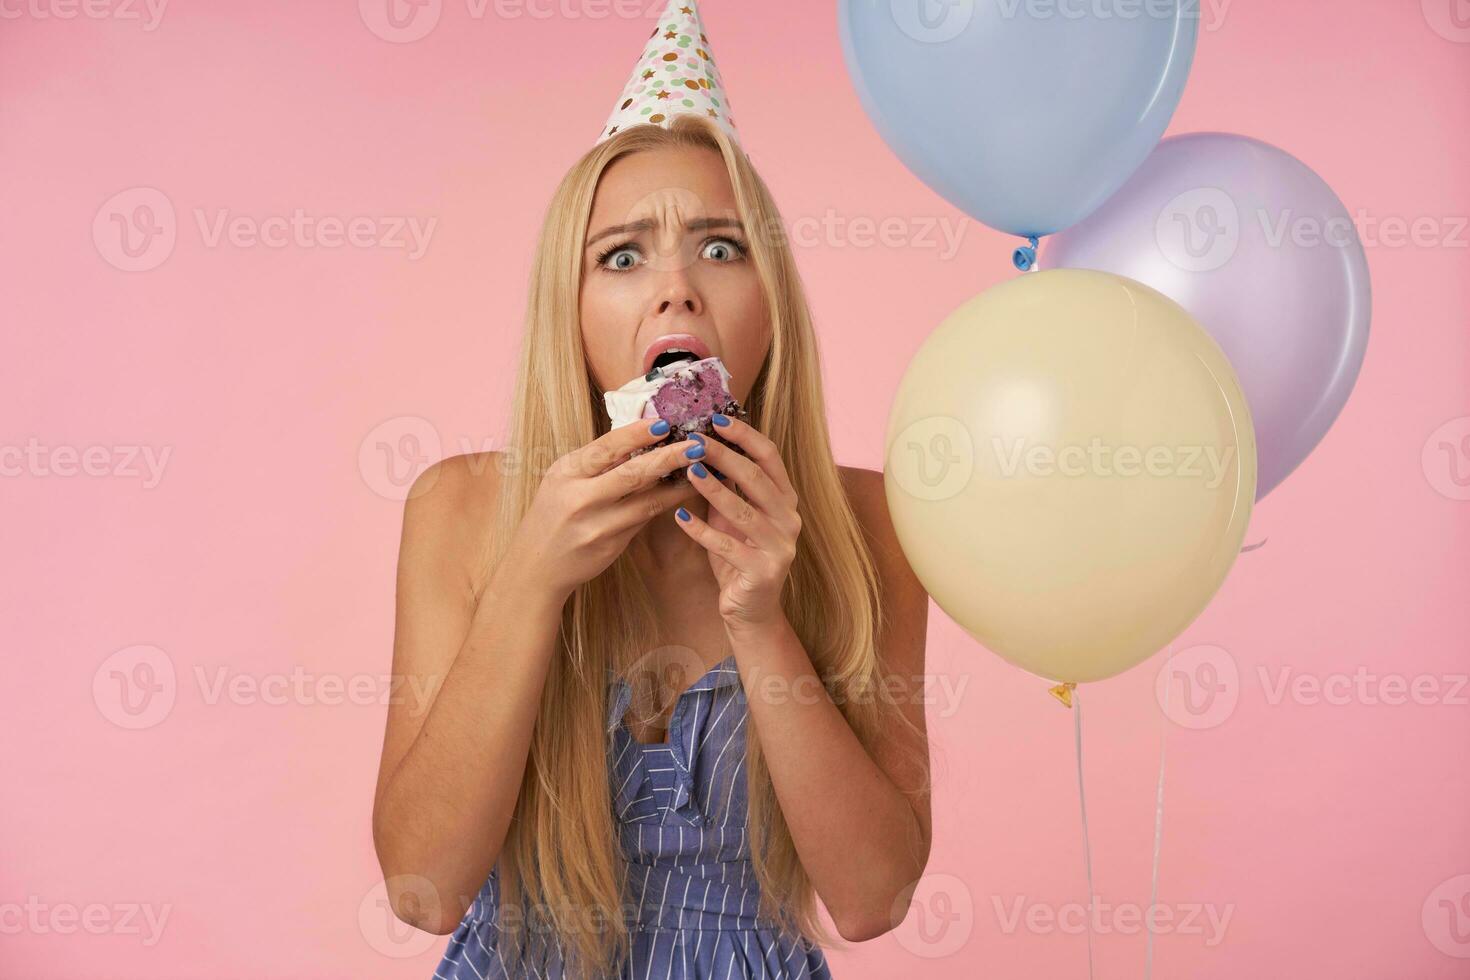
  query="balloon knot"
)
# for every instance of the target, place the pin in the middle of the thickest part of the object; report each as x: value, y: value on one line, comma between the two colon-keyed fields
x: 1025, y: 256
x: 1063, y: 692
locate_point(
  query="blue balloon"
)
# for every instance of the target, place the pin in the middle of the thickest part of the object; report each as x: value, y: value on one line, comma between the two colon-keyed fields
x: 1025, y: 114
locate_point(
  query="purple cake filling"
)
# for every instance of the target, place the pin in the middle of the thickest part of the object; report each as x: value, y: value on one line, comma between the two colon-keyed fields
x: 681, y: 401
x: 687, y: 402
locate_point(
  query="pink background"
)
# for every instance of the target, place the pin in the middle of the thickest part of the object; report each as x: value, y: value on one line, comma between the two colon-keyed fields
x: 298, y: 388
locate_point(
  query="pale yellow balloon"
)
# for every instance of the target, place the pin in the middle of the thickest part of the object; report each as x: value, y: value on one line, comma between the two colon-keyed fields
x: 1070, y: 469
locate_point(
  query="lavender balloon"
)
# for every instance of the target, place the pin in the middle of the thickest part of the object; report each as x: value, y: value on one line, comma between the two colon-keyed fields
x: 1261, y: 251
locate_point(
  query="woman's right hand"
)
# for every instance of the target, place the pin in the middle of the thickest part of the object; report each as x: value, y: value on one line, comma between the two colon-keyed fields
x: 593, y: 500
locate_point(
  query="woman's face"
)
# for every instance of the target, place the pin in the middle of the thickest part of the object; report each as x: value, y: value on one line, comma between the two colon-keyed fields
x: 683, y: 269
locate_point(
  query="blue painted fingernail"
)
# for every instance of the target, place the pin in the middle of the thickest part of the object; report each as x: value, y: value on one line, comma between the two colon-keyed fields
x: 719, y: 419
x: 660, y: 427
x: 683, y: 514
x: 696, y: 437
x: 694, y: 452
x: 698, y: 470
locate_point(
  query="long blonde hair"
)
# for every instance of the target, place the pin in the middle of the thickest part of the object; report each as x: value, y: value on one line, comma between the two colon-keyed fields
x: 561, y: 852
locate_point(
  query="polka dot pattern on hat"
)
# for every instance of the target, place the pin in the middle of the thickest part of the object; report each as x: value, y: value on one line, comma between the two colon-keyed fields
x: 675, y: 74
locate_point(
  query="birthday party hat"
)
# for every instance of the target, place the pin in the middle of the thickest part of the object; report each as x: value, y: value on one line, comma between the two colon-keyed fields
x: 675, y: 74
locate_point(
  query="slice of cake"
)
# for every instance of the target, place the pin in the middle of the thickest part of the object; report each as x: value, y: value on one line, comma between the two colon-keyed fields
x: 685, y: 393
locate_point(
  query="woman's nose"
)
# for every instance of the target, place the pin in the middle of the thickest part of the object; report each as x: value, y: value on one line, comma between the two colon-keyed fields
x: 674, y: 304
x: 676, y: 293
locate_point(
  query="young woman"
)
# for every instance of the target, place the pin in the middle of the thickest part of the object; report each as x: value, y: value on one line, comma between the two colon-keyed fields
x: 535, y: 812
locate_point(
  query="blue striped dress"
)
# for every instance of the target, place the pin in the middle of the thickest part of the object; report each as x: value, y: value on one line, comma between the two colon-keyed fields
x: 680, y: 809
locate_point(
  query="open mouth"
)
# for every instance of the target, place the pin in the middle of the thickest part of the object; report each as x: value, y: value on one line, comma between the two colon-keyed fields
x: 672, y: 355
x: 672, y: 348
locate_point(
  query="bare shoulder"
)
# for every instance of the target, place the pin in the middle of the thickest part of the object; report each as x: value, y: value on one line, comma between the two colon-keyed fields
x: 904, y: 595
x: 869, y: 499
x: 457, y: 489
x: 447, y: 515
x: 860, y: 483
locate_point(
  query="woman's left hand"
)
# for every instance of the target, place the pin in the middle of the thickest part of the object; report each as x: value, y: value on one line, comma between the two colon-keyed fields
x: 750, y: 536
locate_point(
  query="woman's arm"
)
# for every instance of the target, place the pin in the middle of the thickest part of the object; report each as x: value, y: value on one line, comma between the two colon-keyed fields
x: 863, y: 843
x: 451, y: 768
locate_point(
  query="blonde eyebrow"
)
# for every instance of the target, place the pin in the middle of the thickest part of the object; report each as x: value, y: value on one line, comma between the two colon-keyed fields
x: 648, y: 224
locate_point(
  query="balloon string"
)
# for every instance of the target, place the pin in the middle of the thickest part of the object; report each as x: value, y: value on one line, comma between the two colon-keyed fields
x: 1082, y: 798
x: 1153, y: 895
x: 1068, y: 695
